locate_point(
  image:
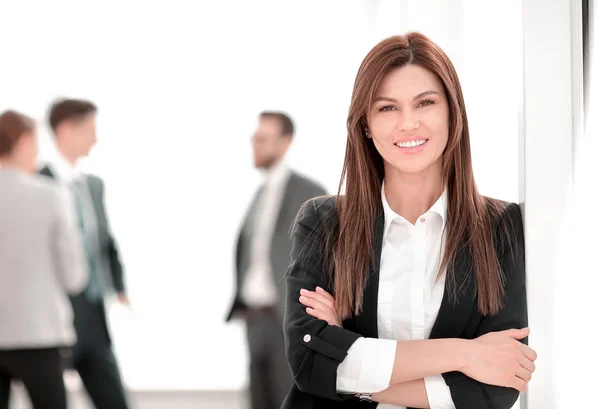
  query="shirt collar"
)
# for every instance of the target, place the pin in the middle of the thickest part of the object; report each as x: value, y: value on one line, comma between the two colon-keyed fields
x: 440, y: 208
x: 64, y: 170
x: 277, y: 174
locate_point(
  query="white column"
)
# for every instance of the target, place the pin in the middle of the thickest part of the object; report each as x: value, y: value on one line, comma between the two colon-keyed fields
x: 550, y: 116
x: 576, y: 358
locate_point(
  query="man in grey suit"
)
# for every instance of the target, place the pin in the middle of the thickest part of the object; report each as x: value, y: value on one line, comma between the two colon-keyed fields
x: 262, y: 257
x: 74, y: 125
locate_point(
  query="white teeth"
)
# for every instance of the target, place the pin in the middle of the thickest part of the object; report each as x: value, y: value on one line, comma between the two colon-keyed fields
x: 411, y: 144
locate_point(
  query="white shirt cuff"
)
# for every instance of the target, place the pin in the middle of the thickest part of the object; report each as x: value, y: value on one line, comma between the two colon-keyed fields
x: 367, y: 367
x: 438, y: 393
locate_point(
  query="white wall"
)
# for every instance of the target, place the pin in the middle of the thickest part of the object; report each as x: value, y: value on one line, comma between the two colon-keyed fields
x: 561, y: 200
x: 575, y: 356
x: 179, y: 89
x: 548, y: 127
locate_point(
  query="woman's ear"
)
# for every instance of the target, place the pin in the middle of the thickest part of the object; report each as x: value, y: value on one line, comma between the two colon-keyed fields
x: 364, y: 124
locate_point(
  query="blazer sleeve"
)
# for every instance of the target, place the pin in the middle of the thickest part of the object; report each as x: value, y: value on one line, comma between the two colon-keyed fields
x: 467, y: 392
x: 116, y: 267
x: 314, y: 349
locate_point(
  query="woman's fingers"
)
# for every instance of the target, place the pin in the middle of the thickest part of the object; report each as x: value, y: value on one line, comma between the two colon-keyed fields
x: 518, y: 384
x: 322, y: 298
x: 321, y: 315
x: 320, y: 304
x: 316, y: 303
x: 523, y: 374
x: 529, y: 353
x: 326, y: 294
x: 528, y: 365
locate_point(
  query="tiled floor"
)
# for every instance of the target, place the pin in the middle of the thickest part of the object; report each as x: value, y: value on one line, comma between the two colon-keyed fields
x: 155, y: 400
x: 143, y: 399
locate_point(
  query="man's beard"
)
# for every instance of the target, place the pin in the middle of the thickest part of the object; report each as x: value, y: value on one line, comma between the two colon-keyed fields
x: 269, y: 162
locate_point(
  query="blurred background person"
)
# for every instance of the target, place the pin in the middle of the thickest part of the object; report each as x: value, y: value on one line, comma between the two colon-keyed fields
x: 262, y: 257
x: 41, y: 260
x: 73, y: 123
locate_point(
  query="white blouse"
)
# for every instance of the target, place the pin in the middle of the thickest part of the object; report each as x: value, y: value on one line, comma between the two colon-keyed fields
x: 409, y: 300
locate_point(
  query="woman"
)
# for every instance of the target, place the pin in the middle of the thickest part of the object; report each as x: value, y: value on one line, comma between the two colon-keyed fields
x: 427, y: 275
x: 40, y: 261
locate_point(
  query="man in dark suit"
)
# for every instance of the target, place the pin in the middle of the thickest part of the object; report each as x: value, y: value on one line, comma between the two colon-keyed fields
x: 262, y: 257
x: 73, y: 123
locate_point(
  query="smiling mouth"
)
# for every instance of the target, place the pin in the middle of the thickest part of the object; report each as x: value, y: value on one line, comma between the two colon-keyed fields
x: 412, y: 144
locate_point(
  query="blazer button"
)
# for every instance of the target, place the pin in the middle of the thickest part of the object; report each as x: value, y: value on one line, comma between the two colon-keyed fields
x: 306, y: 338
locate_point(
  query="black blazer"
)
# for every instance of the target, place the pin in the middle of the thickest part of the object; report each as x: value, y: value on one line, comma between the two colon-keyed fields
x: 315, y: 349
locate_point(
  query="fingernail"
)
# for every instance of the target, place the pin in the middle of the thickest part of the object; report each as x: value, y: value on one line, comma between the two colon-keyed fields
x: 302, y: 298
x: 303, y: 291
x: 319, y: 288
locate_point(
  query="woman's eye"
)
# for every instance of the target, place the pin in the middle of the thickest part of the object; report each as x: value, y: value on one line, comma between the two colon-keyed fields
x: 387, y: 108
x: 426, y: 102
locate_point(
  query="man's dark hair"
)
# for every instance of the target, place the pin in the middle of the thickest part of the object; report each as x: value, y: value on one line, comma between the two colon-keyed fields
x: 69, y: 110
x: 287, y: 126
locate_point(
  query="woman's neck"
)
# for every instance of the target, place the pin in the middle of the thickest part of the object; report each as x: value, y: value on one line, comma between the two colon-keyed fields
x: 412, y: 194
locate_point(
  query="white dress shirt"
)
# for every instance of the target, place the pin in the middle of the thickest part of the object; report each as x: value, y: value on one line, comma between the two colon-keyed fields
x: 409, y: 300
x: 259, y: 288
x: 76, y: 181
x: 65, y: 171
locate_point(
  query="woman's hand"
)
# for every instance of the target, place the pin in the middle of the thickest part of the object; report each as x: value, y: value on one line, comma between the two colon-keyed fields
x: 321, y: 305
x: 498, y: 358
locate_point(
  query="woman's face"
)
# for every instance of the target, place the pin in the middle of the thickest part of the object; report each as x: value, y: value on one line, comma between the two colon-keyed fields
x: 408, y: 120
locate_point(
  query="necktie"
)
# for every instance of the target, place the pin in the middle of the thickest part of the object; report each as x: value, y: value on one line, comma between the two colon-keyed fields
x: 94, y: 290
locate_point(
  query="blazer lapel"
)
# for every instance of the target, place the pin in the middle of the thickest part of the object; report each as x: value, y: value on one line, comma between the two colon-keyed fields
x: 96, y: 195
x: 251, y: 212
x: 454, y: 313
x: 286, y: 203
x: 366, y: 321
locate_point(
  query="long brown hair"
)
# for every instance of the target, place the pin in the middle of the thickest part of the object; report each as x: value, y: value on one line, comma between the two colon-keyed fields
x: 13, y: 126
x: 349, y: 245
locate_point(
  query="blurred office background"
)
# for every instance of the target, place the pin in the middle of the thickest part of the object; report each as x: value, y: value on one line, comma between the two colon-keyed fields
x: 179, y: 84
